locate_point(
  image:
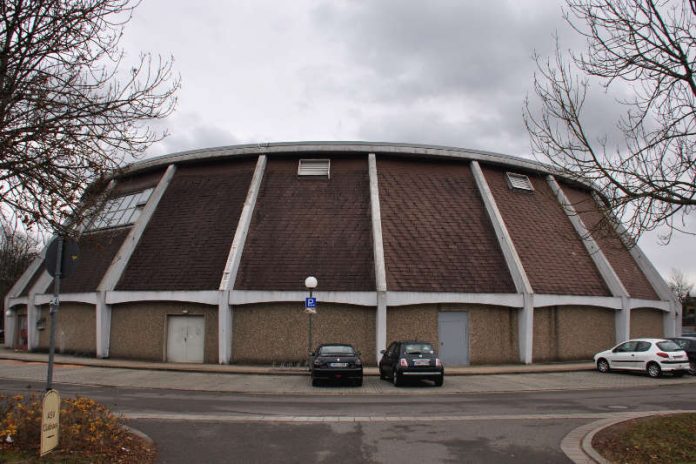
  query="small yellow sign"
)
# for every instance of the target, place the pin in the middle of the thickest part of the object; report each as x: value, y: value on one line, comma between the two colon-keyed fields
x: 50, y: 421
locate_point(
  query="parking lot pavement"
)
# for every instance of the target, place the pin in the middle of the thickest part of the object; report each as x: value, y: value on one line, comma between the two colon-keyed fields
x: 300, y: 384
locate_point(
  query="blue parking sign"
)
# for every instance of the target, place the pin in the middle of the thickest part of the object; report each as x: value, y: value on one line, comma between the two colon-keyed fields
x: 310, y: 303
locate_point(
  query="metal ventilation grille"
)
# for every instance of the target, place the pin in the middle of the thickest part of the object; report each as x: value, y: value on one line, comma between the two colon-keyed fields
x: 314, y: 167
x: 519, y: 182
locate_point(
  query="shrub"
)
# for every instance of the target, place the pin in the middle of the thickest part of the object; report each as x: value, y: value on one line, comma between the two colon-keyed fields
x: 87, y: 428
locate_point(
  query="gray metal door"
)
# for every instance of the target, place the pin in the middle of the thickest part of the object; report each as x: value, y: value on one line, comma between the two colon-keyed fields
x: 453, y: 330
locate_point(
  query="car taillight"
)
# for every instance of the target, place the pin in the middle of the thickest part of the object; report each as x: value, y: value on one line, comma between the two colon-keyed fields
x: 403, y: 362
x: 662, y: 355
x: 438, y: 363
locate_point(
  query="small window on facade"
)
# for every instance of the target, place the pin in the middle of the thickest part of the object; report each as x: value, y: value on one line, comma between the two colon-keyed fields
x: 519, y: 182
x: 314, y: 168
x: 121, y: 211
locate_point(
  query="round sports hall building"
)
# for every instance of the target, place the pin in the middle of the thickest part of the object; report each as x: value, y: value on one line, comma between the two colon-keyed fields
x: 202, y: 256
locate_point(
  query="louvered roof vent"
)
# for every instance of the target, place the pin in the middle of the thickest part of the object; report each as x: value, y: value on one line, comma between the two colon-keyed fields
x: 314, y: 167
x: 519, y: 182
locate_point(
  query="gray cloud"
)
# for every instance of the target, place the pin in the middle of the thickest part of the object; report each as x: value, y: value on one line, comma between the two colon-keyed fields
x: 191, y: 132
x: 421, y: 49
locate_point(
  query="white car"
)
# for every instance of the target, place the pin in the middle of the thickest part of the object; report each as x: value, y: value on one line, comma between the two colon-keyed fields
x: 652, y: 355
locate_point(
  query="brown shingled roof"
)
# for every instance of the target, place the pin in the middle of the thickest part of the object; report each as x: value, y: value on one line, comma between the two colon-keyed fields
x: 310, y: 226
x: 187, y: 241
x: 437, y: 235
x: 611, y: 245
x: 97, y: 250
x: 552, y: 254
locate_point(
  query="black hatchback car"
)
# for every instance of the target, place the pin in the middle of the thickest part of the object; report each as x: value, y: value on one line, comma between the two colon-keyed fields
x: 336, y: 361
x: 411, y: 360
x: 688, y: 344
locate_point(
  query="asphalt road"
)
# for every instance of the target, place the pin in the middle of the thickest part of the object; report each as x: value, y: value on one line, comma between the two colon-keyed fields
x: 525, y: 427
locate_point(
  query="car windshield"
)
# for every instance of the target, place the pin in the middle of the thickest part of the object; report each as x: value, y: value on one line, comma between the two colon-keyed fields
x: 335, y: 349
x: 668, y: 345
x: 418, y: 348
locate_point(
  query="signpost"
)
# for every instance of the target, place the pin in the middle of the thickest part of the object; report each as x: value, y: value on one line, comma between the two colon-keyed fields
x: 61, y: 259
x: 310, y: 308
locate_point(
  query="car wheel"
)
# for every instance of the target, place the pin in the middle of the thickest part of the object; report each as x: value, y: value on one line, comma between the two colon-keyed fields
x: 654, y: 370
x: 396, y: 378
x: 692, y: 367
x: 382, y: 375
x: 439, y: 381
x: 603, y: 366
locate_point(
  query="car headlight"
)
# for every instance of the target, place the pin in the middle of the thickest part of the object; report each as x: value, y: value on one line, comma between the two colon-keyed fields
x: 358, y: 362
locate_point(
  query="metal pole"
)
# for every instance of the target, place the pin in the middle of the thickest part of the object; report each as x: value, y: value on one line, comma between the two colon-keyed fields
x: 53, y: 311
x: 309, y: 340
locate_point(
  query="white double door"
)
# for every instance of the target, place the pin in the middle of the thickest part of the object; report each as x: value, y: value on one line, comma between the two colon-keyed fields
x: 185, y: 340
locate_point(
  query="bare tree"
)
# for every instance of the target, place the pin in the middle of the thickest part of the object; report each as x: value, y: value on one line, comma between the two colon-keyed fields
x: 649, y: 47
x: 69, y: 112
x: 17, y: 250
x: 680, y: 285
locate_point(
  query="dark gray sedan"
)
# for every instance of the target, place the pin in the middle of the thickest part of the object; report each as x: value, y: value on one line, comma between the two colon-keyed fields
x: 337, y: 362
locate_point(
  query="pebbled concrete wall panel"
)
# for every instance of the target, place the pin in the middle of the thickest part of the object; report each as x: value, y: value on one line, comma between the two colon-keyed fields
x: 486, y: 324
x: 569, y: 333
x: 139, y: 330
x: 647, y: 323
x: 277, y: 333
x: 76, y: 332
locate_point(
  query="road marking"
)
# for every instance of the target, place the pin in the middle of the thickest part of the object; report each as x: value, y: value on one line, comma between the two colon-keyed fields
x: 134, y: 415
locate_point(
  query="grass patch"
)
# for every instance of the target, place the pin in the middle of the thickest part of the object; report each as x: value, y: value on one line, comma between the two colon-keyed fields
x: 89, y: 432
x: 654, y: 439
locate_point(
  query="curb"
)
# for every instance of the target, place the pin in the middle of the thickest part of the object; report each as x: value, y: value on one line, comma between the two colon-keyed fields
x: 139, y: 434
x: 577, y: 444
x: 270, y: 370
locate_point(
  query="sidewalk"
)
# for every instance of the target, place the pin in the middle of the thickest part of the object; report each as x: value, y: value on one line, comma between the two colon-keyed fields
x: 279, y: 370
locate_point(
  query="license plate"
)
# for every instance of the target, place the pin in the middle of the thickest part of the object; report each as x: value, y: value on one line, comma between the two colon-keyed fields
x: 338, y: 364
x: 421, y: 362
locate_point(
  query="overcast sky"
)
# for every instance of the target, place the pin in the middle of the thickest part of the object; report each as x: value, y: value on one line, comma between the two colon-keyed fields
x: 447, y: 72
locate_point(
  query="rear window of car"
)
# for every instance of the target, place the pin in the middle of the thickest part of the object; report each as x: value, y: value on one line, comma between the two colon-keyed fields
x: 418, y: 348
x: 336, y: 349
x: 668, y: 345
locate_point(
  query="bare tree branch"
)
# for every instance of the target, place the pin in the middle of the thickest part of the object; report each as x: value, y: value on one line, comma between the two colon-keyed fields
x: 649, y: 47
x: 69, y: 111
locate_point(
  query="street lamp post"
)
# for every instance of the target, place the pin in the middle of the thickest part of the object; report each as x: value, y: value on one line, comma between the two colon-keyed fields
x: 310, y: 283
